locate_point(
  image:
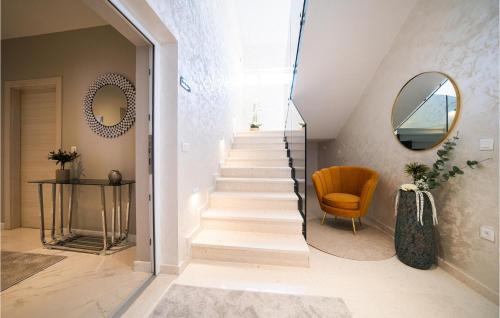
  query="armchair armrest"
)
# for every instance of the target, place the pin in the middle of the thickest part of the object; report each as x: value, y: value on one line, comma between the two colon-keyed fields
x: 367, y: 194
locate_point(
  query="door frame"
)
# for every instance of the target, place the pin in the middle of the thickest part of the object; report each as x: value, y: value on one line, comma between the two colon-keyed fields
x: 9, y: 155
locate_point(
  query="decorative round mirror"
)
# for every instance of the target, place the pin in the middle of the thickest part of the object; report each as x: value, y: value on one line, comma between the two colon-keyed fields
x: 425, y: 111
x: 110, y: 105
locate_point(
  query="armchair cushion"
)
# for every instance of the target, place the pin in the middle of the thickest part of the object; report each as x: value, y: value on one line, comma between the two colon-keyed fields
x: 342, y: 201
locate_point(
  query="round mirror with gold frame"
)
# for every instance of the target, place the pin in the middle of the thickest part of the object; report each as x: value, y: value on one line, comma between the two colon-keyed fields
x: 425, y: 110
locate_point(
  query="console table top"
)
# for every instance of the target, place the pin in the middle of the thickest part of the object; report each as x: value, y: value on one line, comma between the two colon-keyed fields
x: 95, y: 182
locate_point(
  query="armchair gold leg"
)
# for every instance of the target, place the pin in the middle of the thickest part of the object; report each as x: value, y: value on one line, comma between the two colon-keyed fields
x: 353, y: 226
x: 323, y: 221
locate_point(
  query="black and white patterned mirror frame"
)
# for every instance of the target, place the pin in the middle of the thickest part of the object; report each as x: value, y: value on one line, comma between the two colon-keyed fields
x: 127, y: 121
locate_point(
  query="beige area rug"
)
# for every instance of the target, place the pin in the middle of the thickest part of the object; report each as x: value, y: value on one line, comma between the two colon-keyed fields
x: 16, y: 266
x: 335, y: 237
x: 191, y: 301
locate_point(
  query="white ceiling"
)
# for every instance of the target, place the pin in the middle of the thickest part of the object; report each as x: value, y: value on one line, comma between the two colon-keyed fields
x: 29, y: 17
x: 342, y: 46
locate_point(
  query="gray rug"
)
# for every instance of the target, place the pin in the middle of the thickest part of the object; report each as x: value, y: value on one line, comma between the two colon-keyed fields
x: 16, y: 266
x: 191, y: 301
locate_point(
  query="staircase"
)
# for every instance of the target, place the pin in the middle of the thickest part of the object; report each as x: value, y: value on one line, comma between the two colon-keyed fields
x: 253, y: 215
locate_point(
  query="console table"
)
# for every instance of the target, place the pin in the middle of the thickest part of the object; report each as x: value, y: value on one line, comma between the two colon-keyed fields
x: 103, y: 244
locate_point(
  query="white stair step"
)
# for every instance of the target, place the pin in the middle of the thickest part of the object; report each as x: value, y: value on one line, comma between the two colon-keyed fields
x: 251, y: 247
x: 254, y: 200
x: 250, y: 146
x: 256, y: 172
x: 238, y: 162
x: 260, y: 133
x: 255, y: 184
x: 267, y: 221
x: 258, y: 139
x: 258, y: 153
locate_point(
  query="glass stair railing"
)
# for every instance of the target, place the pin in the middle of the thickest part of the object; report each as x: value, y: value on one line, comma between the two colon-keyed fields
x: 295, y: 132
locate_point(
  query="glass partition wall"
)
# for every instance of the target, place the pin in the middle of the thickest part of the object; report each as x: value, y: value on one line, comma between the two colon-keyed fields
x: 295, y: 138
x: 295, y: 134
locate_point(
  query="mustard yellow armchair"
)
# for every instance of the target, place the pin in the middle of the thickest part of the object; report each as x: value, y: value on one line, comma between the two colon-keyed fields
x: 345, y: 191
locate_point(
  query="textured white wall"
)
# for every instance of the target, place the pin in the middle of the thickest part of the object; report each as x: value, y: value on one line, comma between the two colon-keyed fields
x: 460, y: 38
x: 209, y: 60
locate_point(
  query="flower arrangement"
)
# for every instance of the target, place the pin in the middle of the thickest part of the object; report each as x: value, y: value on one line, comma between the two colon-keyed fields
x: 255, y: 122
x: 62, y: 157
x: 429, y: 178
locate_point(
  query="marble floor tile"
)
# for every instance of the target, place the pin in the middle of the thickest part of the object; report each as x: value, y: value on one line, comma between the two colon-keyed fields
x: 372, y: 289
x: 82, y: 285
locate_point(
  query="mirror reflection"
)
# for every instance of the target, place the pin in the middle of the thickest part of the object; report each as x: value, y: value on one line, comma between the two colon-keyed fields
x: 109, y: 105
x: 425, y: 111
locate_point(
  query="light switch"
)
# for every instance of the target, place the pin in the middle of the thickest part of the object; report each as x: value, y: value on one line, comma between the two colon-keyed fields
x: 486, y: 144
x: 186, y: 147
x: 487, y: 233
x: 73, y: 148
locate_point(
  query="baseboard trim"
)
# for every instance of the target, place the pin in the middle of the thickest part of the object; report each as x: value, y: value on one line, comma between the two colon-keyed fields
x: 143, y: 266
x: 471, y: 282
x: 451, y: 269
x: 131, y: 237
x: 173, y: 269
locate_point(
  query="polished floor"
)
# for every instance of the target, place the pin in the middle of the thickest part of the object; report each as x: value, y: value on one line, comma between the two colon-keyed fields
x: 369, y: 288
x: 82, y: 285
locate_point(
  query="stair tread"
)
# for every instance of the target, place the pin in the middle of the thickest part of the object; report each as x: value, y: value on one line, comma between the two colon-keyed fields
x: 257, y: 195
x: 257, y: 167
x: 256, y: 159
x: 252, y: 241
x: 256, y: 179
x: 253, y: 215
x: 257, y: 150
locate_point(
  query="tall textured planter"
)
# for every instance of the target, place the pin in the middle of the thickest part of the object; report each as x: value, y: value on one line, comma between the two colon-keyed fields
x: 415, y: 243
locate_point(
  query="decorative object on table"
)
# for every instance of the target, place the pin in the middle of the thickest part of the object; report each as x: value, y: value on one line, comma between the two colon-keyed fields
x: 425, y: 110
x: 110, y: 105
x: 414, y: 237
x: 345, y: 191
x: 255, y: 125
x: 115, y: 177
x: 62, y: 157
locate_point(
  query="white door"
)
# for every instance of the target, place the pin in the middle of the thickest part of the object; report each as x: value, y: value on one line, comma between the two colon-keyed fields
x: 38, y: 137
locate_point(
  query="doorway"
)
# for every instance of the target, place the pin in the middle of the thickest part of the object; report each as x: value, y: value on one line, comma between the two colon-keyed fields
x: 102, y: 283
x: 32, y: 124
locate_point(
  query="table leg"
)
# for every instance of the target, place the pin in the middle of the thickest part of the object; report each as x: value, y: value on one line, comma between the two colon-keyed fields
x: 104, y: 227
x: 120, y: 212
x: 127, y: 216
x: 53, y: 230
x: 42, y: 221
x: 113, y: 217
x: 70, y: 208
x: 61, y: 208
